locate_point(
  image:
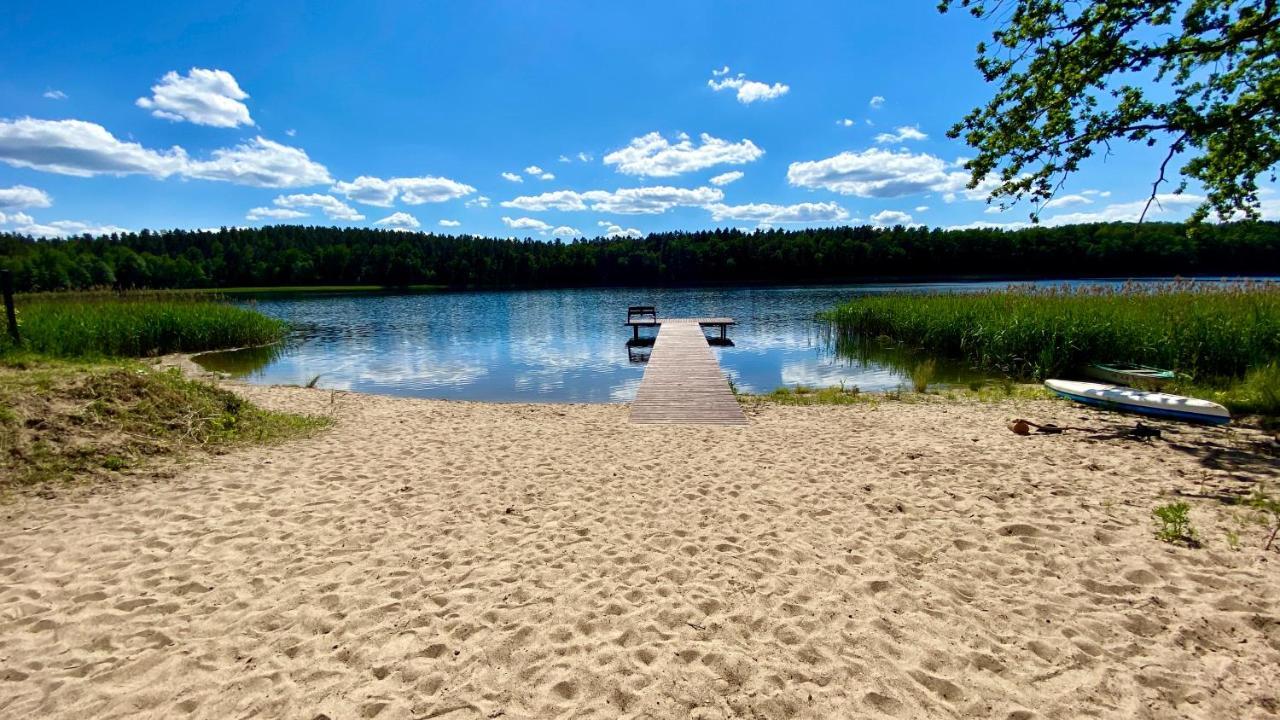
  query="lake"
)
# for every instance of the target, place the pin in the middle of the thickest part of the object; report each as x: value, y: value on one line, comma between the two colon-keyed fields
x: 561, y: 345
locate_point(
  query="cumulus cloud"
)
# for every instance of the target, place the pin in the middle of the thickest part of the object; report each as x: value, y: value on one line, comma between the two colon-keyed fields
x: 533, y: 170
x: 726, y: 178
x: 749, y: 91
x: 846, y: 122
x: 54, y: 94
x: 411, y: 190
x: 903, y: 134
x: 887, y: 218
x: 399, y: 221
x: 565, y: 231
x: 626, y: 201
x: 332, y: 207
x: 525, y: 223
x: 84, y: 149
x: 585, y: 157
x: 614, y: 230
x: 922, y: 208
x: 450, y: 223
x: 565, y: 159
x: 481, y: 201
x: 20, y: 218
x: 26, y: 225
x: 1067, y: 201
x: 512, y: 177
x: 769, y: 214
x: 1167, y: 206
x: 654, y: 156
x: 878, y: 173
x: 270, y: 213
x: 203, y: 97
x: 23, y: 196
x: 876, y: 102
x: 261, y: 163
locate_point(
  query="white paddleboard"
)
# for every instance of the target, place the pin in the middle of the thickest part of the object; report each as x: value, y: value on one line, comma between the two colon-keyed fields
x: 1156, y: 404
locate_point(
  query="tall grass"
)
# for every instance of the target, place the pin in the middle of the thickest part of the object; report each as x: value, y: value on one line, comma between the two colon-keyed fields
x: 1206, y: 331
x: 86, y: 325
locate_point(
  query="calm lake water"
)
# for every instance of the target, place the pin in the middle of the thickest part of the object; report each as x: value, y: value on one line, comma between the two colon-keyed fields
x: 558, y: 345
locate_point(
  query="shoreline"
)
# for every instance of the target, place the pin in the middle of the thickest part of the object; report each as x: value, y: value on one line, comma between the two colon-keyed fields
x: 532, y: 560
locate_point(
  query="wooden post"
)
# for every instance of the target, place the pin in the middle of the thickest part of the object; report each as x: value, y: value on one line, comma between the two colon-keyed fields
x: 6, y: 284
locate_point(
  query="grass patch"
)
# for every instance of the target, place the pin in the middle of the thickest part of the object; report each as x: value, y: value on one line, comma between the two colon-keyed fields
x: 1222, y: 339
x: 62, y: 420
x: 1197, y: 329
x: 89, y: 325
x: 286, y: 289
x: 979, y: 392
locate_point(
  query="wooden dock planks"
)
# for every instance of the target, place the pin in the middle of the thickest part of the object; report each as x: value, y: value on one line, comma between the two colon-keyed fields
x: 682, y: 383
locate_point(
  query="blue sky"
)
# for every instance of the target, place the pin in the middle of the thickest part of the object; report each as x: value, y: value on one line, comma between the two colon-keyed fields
x: 610, y: 117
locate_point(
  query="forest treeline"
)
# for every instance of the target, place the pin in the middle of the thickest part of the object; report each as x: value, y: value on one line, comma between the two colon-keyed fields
x: 305, y: 255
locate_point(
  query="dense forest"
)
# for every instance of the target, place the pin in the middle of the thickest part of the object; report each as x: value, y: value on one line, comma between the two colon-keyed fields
x: 302, y: 255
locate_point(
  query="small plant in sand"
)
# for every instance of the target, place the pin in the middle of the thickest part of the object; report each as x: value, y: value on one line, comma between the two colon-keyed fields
x: 1174, y: 524
x: 1269, y: 507
x: 922, y: 375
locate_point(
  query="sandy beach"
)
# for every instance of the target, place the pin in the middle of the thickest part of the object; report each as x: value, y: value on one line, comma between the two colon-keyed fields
x: 429, y: 559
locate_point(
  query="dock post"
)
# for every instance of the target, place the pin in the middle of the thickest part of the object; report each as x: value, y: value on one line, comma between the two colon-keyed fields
x: 6, y: 285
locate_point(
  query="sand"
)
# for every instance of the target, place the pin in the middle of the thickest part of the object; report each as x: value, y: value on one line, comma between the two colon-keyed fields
x: 429, y: 559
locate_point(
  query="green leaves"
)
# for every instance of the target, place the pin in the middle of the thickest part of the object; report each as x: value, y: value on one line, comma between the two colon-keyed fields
x: 1074, y: 76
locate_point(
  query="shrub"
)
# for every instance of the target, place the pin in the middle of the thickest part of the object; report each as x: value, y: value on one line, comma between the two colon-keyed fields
x: 1174, y: 524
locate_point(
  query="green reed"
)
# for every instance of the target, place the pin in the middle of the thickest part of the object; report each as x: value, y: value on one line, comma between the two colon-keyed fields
x: 82, y: 325
x: 1205, y: 331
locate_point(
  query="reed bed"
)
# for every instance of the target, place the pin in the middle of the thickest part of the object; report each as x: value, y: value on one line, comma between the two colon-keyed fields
x: 87, y: 325
x: 1209, y: 332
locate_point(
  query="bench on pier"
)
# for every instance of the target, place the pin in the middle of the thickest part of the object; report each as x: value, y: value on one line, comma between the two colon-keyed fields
x: 639, y: 316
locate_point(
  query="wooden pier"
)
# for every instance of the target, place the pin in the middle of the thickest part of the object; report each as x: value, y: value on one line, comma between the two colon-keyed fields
x: 683, y: 383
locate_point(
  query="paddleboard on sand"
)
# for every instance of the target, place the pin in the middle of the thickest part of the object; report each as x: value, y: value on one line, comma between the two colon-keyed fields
x: 1156, y: 404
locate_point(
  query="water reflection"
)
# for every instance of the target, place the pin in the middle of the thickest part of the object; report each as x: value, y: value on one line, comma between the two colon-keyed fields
x: 561, y: 345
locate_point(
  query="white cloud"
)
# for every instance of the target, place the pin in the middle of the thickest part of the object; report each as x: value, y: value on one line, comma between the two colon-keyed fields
x: 546, y: 176
x: 1067, y: 201
x: 291, y: 132
x: 652, y: 155
x: 63, y: 228
x: 203, y: 97
x: 845, y: 122
x: 921, y: 208
x: 1167, y: 207
x: 332, y: 207
x: 533, y: 170
x: 450, y: 223
x: 277, y: 213
x: 525, y: 223
x: 617, y: 231
x: 565, y: 159
x: 566, y: 231
x: 482, y: 201
x: 411, y: 190
x: 399, y: 221
x: 767, y: 213
x: 23, y: 196
x: 54, y: 94
x: 903, y: 134
x: 261, y: 163
x: 585, y: 157
x: 726, y: 178
x: 887, y: 218
x: 625, y: 201
x: 988, y: 225
x: 877, y: 173
x: 749, y: 91
x: 19, y: 218
x: 721, y: 72
x: 513, y: 177
x: 876, y: 102
x: 1099, y: 193
x: 83, y: 149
